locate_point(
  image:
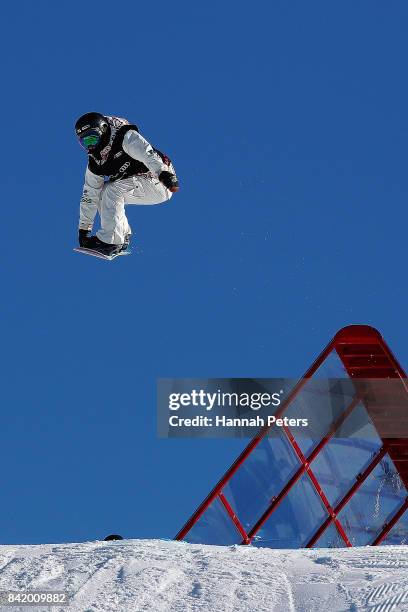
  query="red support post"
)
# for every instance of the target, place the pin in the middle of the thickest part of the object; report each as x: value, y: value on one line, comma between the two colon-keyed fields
x: 275, y: 502
x: 388, y: 526
x: 234, y: 517
x: 316, y: 485
x: 359, y: 481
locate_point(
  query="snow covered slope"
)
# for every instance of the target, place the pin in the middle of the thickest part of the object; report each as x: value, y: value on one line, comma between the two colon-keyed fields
x: 154, y: 575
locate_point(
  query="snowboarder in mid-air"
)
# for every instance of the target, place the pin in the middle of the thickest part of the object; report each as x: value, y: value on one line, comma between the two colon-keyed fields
x: 123, y: 168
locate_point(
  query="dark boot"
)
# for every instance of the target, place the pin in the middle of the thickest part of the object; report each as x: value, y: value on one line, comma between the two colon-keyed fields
x: 126, y: 244
x: 102, y: 247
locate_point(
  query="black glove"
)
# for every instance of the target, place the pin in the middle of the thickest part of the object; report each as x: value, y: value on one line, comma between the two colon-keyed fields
x: 169, y: 180
x: 83, y: 237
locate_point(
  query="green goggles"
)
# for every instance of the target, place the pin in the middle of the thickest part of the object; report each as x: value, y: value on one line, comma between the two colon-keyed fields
x: 90, y: 139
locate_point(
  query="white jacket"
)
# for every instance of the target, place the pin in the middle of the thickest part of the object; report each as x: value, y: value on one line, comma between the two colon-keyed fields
x: 135, y: 146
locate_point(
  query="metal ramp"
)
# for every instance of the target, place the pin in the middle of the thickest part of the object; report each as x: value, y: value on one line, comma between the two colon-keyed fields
x: 345, y: 486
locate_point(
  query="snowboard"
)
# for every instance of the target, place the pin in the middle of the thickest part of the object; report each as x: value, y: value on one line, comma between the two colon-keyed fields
x: 100, y: 255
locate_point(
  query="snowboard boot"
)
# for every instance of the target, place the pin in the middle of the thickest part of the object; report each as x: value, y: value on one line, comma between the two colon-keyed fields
x: 126, y: 244
x: 103, y: 247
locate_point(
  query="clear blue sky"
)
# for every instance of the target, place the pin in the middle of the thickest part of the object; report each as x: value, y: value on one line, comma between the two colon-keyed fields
x: 288, y: 125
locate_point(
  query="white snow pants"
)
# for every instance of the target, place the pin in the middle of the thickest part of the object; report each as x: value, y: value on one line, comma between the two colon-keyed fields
x: 139, y: 189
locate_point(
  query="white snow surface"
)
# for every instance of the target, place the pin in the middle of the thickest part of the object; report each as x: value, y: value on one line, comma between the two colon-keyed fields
x: 157, y: 575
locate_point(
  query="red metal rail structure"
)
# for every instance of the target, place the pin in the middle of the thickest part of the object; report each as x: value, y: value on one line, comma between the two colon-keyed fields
x: 347, y: 485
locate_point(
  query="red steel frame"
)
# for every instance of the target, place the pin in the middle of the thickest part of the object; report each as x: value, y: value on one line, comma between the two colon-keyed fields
x: 364, y: 354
